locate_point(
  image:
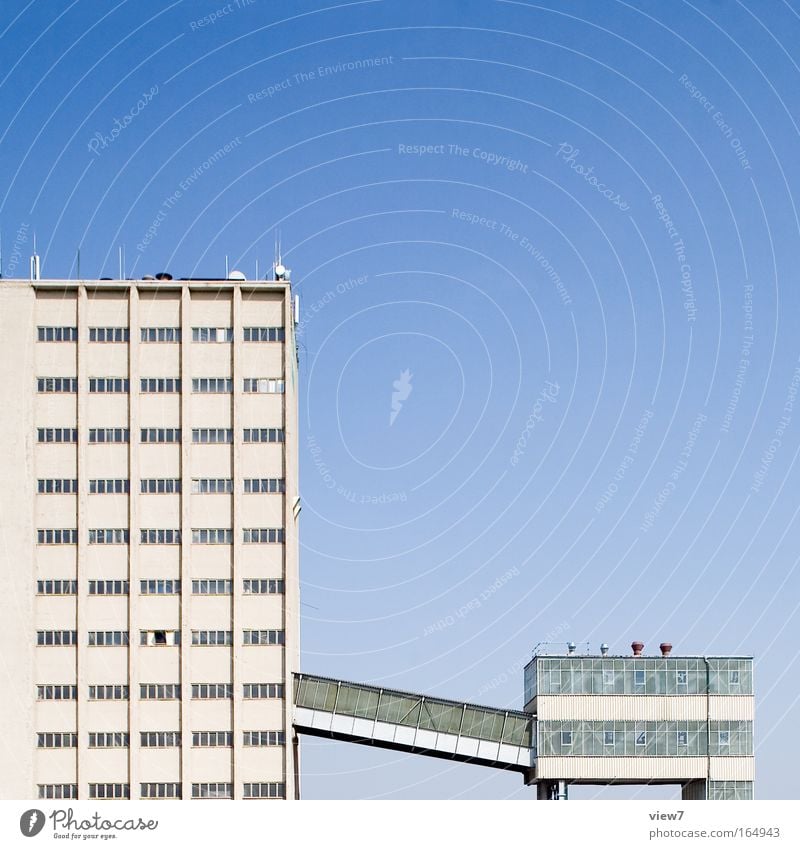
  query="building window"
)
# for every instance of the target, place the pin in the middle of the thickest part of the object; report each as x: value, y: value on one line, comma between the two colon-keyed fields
x: 263, y: 586
x: 108, y: 334
x: 57, y: 536
x: 262, y: 535
x: 57, y: 334
x: 159, y: 638
x: 58, y: 791
x: 253, y: 485
x: 108, y: 384
x: 108, y: 588
x: 57, y: 486
x: 57, y: 434
x: 264, y: 385
x: 682, y: 738
x: 56, y: 638
x: 608, y: 678
x: 264, y: 738
x: 733, y: 678
x: 108, y: 638
x: 264, y: 334
x: 566, y: 738
x: 212, y: 385
x: 212, y: 536
x: 110, y: 486
x: 161, y: 486
x: 641, y: 738
x: 160, y: 384
x: 56, y: 587
x: 212, y: 334
x: 681, y: 678
x: 202, y: 486
x: 159, y: 739
x: 212, y: 790
x: 724, y: 738
x: 56, y: 692
x: 212, y: 738
x: 160, y: 790
x: 263, y: 434
x: 161, y: 692
x: 57, y: 384
x: 263, y: 691
x: 160, y: 586
x: 264, y: 790
x: 263, y: 638
x: 160, y: 434
x: 108, y: 692
x: 108, y: 536
x: 56, y: 740
x: 109, y: 739
x: 212, y: 638
x: 212, y: 691
x: 608, y: 738
x: 109, y: 791
x: 161, y: 334
x: 212, y: 586
x: 638, y: 677
x: 212, y: 435
x: 99, y: 435
x: 160, y: 536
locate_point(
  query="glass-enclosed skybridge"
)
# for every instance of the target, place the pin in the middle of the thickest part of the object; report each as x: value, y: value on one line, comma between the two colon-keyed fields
x: 410, y: 722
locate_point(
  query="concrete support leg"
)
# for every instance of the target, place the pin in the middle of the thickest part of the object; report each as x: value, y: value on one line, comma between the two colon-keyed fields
x: 694, y: 790
x: 552, y: 790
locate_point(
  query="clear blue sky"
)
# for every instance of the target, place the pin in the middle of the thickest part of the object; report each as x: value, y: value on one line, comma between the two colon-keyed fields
x: 551, y: 216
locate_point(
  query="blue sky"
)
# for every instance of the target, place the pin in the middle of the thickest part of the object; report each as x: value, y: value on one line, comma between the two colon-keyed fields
x: 566, y: 230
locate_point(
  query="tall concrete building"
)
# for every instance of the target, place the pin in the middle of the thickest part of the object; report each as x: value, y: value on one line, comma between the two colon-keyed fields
x: 149, y: 539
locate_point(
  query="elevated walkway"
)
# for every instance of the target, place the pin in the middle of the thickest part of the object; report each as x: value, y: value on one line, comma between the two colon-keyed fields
x: 410, y: 722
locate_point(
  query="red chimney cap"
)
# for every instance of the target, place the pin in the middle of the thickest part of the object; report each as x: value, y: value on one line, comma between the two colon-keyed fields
x: 638, y: 648
x: 666, y: 648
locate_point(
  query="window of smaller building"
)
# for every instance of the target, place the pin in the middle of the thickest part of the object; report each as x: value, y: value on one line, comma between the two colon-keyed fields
x: 724, y: 738
x: 733, y: 678
x: 639, y: 677
x: 608, y: 738
x: 683, y: 738
x: 566, y: 738
x: 159, y: 638
x: 641, y: 738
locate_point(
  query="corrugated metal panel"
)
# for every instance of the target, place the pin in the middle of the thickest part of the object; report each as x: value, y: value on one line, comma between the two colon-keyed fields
x: 732, y: 769
x: 641, y: 708
x: 623, y: 769
x: 732, y: 707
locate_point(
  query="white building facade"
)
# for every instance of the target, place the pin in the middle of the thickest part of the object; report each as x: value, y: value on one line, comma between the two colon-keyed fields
x: 149, y: 539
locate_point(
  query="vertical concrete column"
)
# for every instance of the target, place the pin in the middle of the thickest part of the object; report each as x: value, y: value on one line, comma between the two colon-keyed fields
x: 236, y: 549
x: 134, y: 475
x: 291, y: 577
x: 186, y: 540
x: 81, y: 678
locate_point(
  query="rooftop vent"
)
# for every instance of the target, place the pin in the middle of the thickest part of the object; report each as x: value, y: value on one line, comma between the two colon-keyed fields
x: 163, y: 275
x: 571, y: 648
x: 666, y: 648
x: 237, y: 275
x: 638, y: 648
x: 604, y: 649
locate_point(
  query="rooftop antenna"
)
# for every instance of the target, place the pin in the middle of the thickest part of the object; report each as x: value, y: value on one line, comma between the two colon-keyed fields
x: 1, y: 253
x: 279, y: 270
x: 79, y: 262
x: 256, y: 267
x: 121, y: 269
x: 35, y: 262
x: 226, y: 266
